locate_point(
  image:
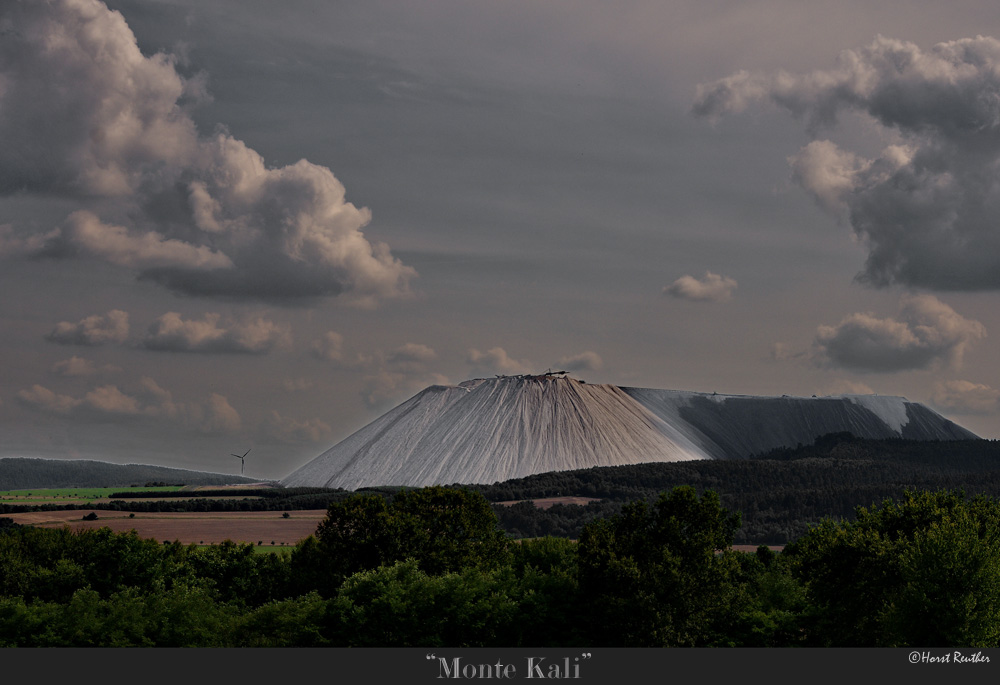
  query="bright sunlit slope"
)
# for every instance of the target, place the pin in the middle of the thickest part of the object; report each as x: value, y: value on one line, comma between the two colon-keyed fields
x: 490, y: 430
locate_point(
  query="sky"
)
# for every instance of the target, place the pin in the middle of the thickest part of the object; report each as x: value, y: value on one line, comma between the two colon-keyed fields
x: 228, y: 225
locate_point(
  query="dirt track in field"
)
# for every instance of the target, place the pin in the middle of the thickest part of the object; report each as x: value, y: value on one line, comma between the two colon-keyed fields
x: 189, y: 527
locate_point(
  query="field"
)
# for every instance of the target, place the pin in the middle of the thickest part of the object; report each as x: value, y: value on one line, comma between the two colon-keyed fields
x: 267, y: 527
x: 71, y: 495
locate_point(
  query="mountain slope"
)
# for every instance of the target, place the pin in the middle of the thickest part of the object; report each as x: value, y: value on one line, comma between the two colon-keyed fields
x: 19, y: 473
x: 490, y: 430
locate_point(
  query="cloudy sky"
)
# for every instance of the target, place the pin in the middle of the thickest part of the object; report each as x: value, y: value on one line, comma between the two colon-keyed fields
x: 226, y: 226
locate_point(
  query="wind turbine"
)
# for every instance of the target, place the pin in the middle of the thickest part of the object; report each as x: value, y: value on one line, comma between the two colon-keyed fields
x: 242, y: 459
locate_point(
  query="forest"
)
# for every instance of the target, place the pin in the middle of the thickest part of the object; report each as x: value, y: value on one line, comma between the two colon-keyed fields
x: 431, y: 567
x: 779, y: 494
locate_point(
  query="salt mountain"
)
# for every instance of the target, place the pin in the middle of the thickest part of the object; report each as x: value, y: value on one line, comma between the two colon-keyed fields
x: 492, y: 430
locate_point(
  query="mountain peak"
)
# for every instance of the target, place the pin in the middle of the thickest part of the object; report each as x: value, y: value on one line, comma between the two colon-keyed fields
x: 487, y: 430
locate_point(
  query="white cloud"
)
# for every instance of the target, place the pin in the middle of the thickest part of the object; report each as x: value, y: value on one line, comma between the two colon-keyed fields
x: 965, y: 397
x: 216, y: 415
x: 173, y: 333
x: 927, y: 334
x: 585, y: 361
x: 85, y: 233
x: 93, y: 330
x: 411, y: 357
x: 783, y: 352
x: 46, y: 400
x: 86, y: 117
x: 150, y: 401
x: 710, y: 288
x: 329, y: 348
x: 78, y: 366
x: 926, y: 208
x: 495, y: 360
x: 398, y: 373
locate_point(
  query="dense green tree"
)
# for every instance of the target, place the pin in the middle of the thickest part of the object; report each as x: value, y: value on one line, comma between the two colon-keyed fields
x: 403, y: 606
x: 660, y: 575
x: 239, y: 574
x: 551, y: 609
x: 771, y: 603
x: 443, y: 529
x: 924, y: 570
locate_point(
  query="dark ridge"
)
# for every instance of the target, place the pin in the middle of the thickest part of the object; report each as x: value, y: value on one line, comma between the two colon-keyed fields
x: 19, y: 473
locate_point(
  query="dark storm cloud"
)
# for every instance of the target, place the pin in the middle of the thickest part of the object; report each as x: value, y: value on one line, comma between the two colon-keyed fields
x: 84, y: 115
x: 927, y: 334
x: 927, y: 206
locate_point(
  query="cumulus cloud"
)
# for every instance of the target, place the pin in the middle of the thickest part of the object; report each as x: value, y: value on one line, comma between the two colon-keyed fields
x: 927, y: 334
x: 329, y: 348
x: 93, y: 330
x: 585, y: 361
x: 43, y: 398
x: 85, y: 233
x: 783, y: 352
x: 213, y: 415
x: 710, y: 288
x: 216, y: 415
x: 926, y: 206
x: 86, y: 117
x: 172, y: 333
x: 495, y: 360
x: 78, y: 366
x: 404, y: 370
x: 965, y: 397
x: 411, y: 357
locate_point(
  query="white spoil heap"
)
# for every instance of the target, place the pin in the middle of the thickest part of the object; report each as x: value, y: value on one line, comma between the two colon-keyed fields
x: 492, y: 430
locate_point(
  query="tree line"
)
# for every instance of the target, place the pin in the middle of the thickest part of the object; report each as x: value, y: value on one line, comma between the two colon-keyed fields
x: 431, y: 567
x: 780, y: 494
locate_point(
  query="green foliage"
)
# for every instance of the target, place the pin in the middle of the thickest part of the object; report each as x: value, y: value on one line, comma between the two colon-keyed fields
x: 403, y: 606
x: 551, y: 606
x: 655, y: 575
x: 443, y: 529
x: 429, y: 568
x: 780, y: 494
x: 295, y: 622
x: 239, y: 574
x: 921, y: 571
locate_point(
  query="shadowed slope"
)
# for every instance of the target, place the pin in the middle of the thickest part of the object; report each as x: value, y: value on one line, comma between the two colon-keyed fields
x: 492, y: 430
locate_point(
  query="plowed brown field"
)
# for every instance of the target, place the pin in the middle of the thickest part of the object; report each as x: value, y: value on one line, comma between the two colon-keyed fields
x: 190, y: 527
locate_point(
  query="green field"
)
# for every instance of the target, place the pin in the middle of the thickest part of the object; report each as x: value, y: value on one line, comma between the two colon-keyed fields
x: 43, y: 495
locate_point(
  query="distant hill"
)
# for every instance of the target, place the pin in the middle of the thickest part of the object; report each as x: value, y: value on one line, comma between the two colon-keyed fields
x: 779, y: 493
x: 18, y: 473
x: 491, y: 430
